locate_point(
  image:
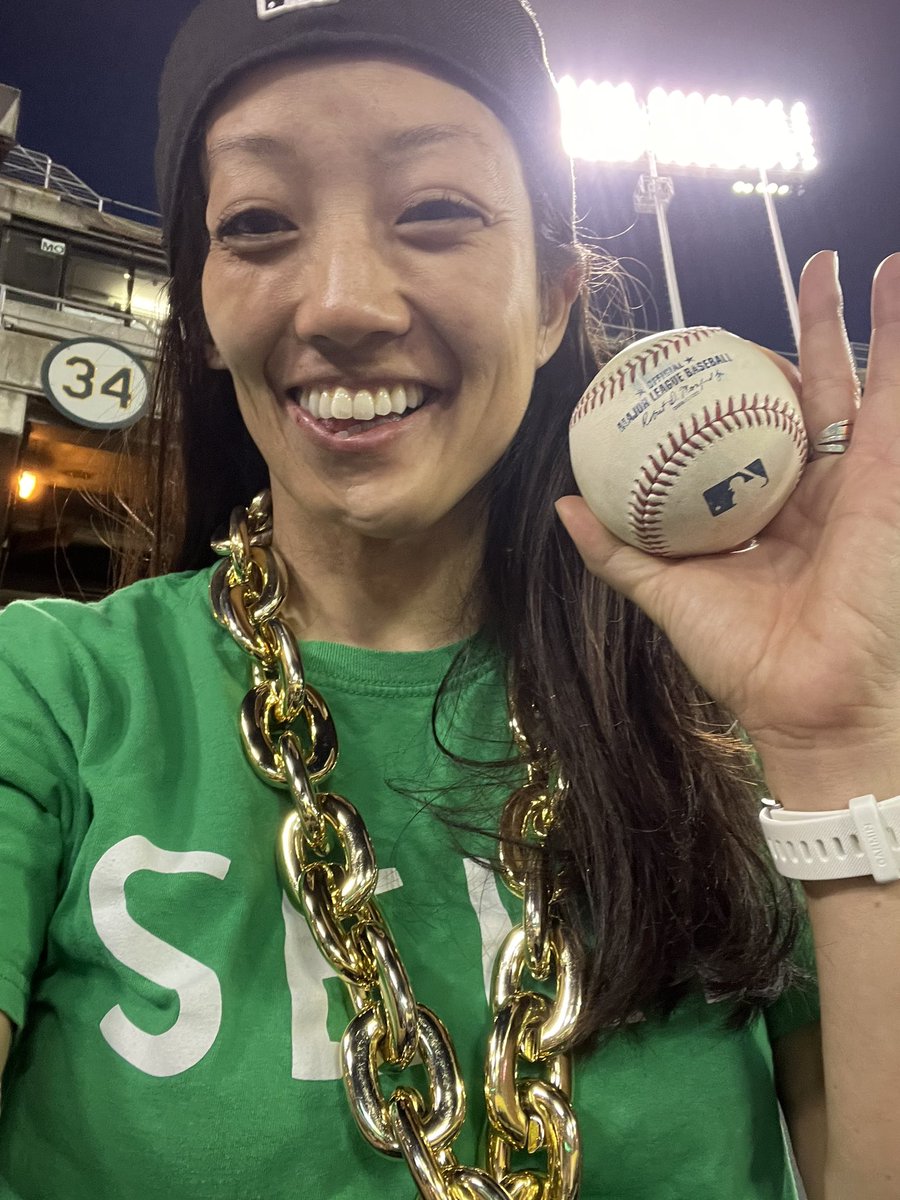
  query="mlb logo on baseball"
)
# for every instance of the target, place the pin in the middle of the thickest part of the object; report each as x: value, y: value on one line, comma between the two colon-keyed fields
x: 724, y: 496
x: 276, y: 8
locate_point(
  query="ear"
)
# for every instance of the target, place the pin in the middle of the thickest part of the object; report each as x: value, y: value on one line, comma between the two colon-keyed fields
x: 214, y: 359
x: 557, y: 297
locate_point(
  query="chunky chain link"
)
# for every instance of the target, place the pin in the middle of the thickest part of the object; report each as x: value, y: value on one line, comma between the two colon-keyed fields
x: 327, y: 866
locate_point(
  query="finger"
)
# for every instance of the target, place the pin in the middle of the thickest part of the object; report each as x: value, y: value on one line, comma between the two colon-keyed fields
x: 878, y: 430
x: 827, y: 368
x: 883, y: 372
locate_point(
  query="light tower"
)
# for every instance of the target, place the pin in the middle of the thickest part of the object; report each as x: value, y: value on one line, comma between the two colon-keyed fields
x: 689, y: 134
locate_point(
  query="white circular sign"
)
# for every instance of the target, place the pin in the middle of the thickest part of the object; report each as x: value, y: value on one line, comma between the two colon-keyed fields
x: 96, y: 383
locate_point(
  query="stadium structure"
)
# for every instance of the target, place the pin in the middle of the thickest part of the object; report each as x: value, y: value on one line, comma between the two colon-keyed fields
x: 82, y: 295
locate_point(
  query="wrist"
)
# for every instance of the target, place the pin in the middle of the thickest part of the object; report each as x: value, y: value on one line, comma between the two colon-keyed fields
x: 836, y: 810
x: 816, y: 776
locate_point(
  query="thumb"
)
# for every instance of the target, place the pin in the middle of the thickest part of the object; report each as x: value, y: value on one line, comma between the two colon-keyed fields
x: 627, y: 570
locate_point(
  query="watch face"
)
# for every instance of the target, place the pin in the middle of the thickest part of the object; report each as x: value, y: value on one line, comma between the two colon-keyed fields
x: 96, y: 383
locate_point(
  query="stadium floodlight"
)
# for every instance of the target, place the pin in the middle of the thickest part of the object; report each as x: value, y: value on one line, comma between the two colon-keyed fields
x: 605, y: 122
x: 687, y: 132
x: 742, y: 188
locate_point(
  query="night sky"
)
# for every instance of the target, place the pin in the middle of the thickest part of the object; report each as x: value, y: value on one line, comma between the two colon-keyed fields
x: 88, y: 68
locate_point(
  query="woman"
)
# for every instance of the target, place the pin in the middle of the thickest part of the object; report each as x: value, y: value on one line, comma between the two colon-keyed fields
x: 378, y: 311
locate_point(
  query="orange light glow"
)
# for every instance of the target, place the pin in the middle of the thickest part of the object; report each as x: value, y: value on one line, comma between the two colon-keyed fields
x: 27, y: 485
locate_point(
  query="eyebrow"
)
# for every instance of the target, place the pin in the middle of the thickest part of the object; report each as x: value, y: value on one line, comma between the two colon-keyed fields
x: 257, y: 145
x: 421, y: 137
x: 398, y: 145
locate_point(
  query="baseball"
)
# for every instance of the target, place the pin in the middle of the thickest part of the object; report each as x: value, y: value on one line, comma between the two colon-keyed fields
x: 688, y: 442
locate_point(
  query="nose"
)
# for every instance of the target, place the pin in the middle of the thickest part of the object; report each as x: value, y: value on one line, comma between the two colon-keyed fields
x: 350, y: 294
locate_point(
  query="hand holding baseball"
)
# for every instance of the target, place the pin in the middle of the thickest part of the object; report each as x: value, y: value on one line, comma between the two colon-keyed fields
x: 800, y: 636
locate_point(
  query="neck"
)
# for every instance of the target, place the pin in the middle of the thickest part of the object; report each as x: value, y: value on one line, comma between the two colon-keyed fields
x: 414, y: 593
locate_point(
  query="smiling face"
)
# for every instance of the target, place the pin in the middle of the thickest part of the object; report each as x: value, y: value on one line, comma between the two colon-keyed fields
x: 372, y: 288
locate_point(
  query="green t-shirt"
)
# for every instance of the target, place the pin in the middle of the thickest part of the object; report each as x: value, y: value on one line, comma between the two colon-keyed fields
x: 178, y: 1030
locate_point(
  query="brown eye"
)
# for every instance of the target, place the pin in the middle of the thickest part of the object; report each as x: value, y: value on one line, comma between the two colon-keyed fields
x: 253, y: 223
x: 445, y: 209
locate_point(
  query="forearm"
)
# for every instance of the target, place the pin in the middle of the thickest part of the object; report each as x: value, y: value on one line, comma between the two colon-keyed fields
x: 856, y: 927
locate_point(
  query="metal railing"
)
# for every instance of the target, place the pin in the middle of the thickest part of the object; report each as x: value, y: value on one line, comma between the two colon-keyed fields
x: 39, y: 170
x: 60, y: 304
x: 861, y: 354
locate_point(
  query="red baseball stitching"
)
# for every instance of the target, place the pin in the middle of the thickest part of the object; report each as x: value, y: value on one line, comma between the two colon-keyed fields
x: 610, y: 385
x: 662, y: 468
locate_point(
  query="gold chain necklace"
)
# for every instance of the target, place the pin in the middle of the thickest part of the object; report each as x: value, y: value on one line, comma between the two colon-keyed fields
x: 327, y: 866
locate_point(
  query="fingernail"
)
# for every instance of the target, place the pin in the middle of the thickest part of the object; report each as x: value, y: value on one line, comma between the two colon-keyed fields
x: 837, y: 266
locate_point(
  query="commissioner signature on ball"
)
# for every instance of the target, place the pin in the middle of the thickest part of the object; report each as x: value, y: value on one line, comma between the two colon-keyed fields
x: 681, y: 395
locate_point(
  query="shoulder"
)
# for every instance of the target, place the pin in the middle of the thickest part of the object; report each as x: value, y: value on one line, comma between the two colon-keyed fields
x: 70, y: 642
x: 138, y: 609
x: 98, y: 674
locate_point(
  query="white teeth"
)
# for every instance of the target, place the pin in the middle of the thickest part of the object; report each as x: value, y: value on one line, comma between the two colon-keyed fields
x: 398, y: 400
x: 342, y: 405
x: 365, y: 405
x: 383, y: 403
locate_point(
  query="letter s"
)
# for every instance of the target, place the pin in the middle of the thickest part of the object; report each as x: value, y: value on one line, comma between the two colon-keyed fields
x: 199, y: 993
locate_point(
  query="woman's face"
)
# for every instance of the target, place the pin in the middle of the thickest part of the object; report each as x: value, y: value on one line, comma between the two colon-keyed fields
x: 372, y: 288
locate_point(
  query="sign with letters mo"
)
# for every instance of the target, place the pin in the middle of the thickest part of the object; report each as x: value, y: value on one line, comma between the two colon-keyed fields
x: 274, y: 8
x: 96, y: 383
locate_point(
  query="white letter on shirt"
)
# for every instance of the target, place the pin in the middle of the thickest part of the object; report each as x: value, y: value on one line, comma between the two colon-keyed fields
x: 493, y: 919
x: 314, y: 1055
x: 199, y: 993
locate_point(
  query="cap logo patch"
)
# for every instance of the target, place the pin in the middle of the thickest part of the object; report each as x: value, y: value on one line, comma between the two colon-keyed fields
x: 276, y: 8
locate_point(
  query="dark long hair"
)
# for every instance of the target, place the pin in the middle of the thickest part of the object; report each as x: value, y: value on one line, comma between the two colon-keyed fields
x: 667, y: 877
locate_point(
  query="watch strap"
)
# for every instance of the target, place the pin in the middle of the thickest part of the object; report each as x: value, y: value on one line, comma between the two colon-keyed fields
x: 863, y: 839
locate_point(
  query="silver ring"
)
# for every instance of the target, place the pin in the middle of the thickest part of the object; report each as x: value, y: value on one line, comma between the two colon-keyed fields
x: 833, y: 439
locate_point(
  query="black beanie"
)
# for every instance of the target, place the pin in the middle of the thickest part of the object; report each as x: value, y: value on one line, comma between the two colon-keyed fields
x: 491, y: 48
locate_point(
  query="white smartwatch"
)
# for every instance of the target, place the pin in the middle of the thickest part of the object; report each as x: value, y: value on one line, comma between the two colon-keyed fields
x: 863, y: 839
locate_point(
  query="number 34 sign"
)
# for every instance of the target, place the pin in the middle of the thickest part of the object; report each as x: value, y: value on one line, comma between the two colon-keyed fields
x: 95, y: 382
